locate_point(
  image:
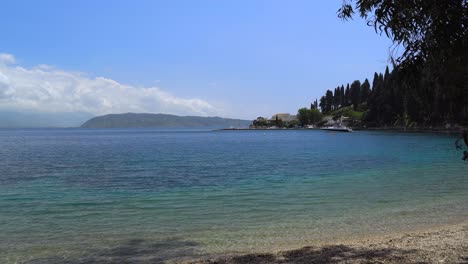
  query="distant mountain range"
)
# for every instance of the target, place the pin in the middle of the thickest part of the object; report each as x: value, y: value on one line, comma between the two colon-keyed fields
x: 132, y: 120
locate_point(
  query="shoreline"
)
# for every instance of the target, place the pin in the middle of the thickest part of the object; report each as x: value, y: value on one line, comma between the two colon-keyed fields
x: 443, y: 244
x: 387, y: 129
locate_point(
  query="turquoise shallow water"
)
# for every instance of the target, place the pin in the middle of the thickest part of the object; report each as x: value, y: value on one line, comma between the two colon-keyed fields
x: 86, y: 196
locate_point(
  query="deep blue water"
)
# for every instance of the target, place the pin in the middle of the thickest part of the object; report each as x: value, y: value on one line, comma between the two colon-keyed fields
x: 90, y: 195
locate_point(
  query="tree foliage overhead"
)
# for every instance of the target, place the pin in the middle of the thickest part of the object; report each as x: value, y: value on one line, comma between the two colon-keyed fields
x: 429, y: 81
x: 425, y: 28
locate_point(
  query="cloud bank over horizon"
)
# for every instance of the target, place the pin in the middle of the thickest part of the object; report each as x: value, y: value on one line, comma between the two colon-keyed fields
x: 47, y: 89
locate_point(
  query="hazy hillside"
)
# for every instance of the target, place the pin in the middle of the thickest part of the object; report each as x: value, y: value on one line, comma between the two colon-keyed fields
x: 161, y: 120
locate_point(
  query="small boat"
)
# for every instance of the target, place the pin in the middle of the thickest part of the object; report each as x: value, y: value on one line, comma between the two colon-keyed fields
x: 337, y: 129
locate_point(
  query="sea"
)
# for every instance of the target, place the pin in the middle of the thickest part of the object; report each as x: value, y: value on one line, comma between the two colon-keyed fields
x: 167, y: 195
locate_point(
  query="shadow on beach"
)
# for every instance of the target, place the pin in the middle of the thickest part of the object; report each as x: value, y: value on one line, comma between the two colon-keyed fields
x: 442, y: 246
x: 132, y: 251
x: 327, y: 254
x: 173, y: 251
x: 139, y: 251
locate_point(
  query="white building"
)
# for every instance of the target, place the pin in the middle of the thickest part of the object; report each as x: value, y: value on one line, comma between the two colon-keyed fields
x: 285, y: 117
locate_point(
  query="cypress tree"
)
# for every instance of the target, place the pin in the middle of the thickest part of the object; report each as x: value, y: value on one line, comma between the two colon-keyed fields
x: 323, y: 104
x: 342, y: 96
x: 347, y: 97
x: 329, y: 100
x: 355, y: 93
x: 365, y: 91
x: 336, y: 98
x: 375, y: 82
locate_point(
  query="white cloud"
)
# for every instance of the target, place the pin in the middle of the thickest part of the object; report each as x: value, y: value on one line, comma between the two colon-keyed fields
x: 7, y: 58
x: 48, y: 89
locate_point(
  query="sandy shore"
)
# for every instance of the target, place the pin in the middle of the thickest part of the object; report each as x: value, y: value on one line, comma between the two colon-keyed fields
x: 441, y: 245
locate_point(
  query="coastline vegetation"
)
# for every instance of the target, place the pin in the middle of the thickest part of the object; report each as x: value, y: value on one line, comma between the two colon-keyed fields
x: 394, y: 101
x: 427, y: 86
x: 262, y: 122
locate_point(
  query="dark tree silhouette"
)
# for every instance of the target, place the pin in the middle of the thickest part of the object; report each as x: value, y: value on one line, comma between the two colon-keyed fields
x: 355, y: 91
x: 427, y: 85
x: 430, y: 74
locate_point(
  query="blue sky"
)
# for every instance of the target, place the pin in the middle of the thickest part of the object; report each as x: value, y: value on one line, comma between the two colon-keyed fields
x: 229, y: 58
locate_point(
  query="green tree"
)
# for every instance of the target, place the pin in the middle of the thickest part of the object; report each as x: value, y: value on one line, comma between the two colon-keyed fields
x: 315, y: 116
x: 365, y: 91
x: 328, y: 101
x: 303, y: 115
x: 260, y: 122
x: 342, y: 96
x: 355, y: 93
x: 425, y: 29
x: 428, y: 81
x: 278, y: 122
x: 293, y: 124
x: 336, y: 98
x: 347, y: 97
x: 323, y: 104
